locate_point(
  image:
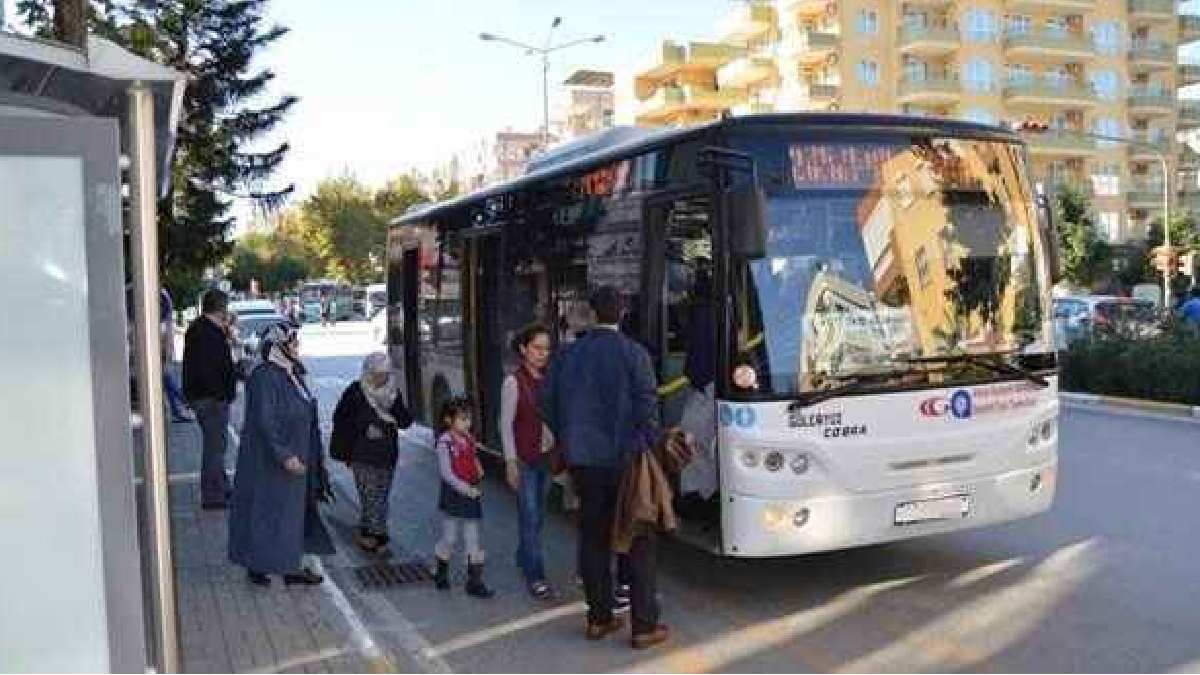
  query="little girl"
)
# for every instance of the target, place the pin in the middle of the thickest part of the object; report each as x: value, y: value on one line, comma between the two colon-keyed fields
x: 460, y: 499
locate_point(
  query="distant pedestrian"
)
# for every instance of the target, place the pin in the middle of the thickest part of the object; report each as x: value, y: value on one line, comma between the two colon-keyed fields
x: 528, y: 446
x: 1190, y: 311
x: 461, y: 496
x: 599, y: 400
x: 366, y: 436
x: 280, y: 472
x: 328, y: 307
x: 210, y: 384
x: 166, y: 334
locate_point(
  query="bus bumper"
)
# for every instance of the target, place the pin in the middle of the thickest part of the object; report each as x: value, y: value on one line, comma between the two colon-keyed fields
x: 753, y: 527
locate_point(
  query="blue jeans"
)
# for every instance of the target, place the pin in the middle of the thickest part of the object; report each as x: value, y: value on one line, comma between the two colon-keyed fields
x: 531, y: 514
x: 174, y: 395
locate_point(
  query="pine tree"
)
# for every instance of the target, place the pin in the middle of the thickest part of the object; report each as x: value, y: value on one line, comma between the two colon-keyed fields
x: 216, y: 160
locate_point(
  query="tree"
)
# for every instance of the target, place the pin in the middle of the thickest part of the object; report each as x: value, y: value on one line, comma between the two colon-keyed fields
x: 216, y: 160
x: 343, y: 226
x: 1085, y: 256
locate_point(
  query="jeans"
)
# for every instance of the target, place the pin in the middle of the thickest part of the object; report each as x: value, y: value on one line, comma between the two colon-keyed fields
x: 531, y: 514
x: 598, y: 501
x: 174, y: 395
x: 213, y: 416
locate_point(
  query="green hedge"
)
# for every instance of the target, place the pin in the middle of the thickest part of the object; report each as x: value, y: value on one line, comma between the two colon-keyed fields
x: 1161, y: 368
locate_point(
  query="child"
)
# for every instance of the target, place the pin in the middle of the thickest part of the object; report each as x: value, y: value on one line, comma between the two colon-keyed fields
x: 460, y: 499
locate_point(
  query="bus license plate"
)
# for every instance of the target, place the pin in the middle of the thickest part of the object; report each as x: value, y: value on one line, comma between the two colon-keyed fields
x: 945, y: 508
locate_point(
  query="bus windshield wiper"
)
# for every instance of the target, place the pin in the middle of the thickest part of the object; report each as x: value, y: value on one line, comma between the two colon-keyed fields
x: 984, y: 361
x: 851, y: 384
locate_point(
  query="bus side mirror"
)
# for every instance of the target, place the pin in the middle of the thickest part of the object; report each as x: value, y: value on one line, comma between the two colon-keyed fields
x: 747, y: 224
x: 1050, y: 235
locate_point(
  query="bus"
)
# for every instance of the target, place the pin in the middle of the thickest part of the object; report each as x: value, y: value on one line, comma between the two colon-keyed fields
x: 343, y: 299
x: 850, y: 313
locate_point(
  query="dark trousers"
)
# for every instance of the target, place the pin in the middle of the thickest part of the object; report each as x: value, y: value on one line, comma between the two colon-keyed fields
x: 213, y: 416
x: 597, y: 490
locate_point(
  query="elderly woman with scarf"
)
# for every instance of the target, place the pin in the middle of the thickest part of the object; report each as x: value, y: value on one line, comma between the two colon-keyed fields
x: 280, y: 471
x: 366, y: 426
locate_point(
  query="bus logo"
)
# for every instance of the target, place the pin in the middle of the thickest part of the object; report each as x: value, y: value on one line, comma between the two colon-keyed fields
x: 958, y: 405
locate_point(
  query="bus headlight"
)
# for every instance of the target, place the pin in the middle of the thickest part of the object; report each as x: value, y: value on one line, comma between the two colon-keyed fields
x: 749, y: 458
x: 773, y: 461
x: 799, y: 464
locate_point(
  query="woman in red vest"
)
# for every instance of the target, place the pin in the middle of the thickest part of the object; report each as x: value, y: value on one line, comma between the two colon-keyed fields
x: 527, y: 450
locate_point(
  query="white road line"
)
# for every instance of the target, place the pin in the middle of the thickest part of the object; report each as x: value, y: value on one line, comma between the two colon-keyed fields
x: 376, y: 658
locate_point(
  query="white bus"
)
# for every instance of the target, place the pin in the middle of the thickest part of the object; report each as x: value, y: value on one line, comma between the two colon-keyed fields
x: 851, y: 312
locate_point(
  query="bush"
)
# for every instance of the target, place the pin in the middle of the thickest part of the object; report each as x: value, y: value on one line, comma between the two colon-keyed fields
x: 1165, y: 367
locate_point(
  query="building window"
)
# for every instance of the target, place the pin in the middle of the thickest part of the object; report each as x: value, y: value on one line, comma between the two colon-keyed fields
x: 868, y: 73
x: 1107, y: 84
x: 1106, y: 181
x: 979, y: 76
x: 868, y: 21
x: 1019, y: 24
x: 980, y: 115
x: 1108, y: 37
x: 1110, y: 225
x: 1108, y: 126
x: 980, y: 25
x: 1020, y: 74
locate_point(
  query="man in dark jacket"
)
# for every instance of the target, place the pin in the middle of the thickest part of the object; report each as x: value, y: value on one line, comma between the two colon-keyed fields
x: 210, y: 384
x: 599, y: 400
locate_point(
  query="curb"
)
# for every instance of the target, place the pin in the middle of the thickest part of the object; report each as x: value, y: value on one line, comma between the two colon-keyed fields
x: 1178, y: 410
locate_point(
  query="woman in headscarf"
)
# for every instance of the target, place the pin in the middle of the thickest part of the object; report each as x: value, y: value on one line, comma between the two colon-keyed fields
x: 366, y: 433
x: 280, y: 472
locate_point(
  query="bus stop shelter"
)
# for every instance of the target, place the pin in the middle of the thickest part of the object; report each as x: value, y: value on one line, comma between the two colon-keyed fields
x: 87, y: 573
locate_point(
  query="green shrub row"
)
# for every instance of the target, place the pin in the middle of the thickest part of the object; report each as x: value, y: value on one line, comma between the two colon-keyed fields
x: 1165, y: 367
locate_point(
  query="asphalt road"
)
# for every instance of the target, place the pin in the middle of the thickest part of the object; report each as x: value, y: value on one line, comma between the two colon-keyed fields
x: 1106, y: 581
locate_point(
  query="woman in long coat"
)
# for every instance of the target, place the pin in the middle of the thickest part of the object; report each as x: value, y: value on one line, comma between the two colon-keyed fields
x: 280, y: 472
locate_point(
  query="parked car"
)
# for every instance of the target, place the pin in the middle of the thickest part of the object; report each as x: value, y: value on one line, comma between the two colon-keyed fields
x: 245, y: 308
x: 1080, y: 317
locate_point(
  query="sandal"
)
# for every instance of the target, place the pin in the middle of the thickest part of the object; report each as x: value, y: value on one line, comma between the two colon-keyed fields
x: 541, y: 590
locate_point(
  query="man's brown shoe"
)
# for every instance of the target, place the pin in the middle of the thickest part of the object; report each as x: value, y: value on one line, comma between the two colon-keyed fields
x: 650, y: 638
x: 599, y: 631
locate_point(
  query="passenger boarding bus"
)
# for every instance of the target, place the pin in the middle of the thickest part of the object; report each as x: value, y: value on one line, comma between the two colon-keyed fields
x: 851, y: 314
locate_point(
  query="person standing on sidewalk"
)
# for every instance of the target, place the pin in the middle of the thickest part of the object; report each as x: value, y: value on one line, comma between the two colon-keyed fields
x: 599, y: 400
x: 460, y: 498
x: 366, y: 436
x: 210, y: 384
x: 527, y: 444
x: 280, y: 471
x: 166, y: 333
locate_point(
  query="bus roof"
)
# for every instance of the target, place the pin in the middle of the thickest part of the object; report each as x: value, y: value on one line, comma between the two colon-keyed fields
x: 622, y: 142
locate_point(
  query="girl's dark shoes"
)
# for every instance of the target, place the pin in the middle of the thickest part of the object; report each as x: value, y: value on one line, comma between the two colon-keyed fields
x: 441, y: 575
x: 258, y: 578
x: 475, y: 586
x: 306, y: 577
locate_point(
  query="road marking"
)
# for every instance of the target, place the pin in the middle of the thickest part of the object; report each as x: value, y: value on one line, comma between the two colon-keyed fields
x: 496, y: 632
x: 377, y: 660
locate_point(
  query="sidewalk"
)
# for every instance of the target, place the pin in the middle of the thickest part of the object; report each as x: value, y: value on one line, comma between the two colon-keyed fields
x: 225, y: 623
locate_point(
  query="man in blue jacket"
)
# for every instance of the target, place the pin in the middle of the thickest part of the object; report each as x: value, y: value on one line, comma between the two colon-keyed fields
x: 599, y: 400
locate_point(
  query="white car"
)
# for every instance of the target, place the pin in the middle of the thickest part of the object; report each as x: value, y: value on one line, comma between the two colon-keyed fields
x: 245, y: 308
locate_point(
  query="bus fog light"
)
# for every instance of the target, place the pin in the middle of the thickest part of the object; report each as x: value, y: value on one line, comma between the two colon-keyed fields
x: 800, y: 518
x: 773, y: 461
x: 749, y: 458
x: 799, y: 463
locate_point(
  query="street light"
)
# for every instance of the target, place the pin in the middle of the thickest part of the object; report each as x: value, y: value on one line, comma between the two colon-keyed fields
x: 1039, y: 128
x: 545, y: 52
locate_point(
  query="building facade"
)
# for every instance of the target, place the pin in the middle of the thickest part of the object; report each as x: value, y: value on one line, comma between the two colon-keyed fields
x: 1107, y: 67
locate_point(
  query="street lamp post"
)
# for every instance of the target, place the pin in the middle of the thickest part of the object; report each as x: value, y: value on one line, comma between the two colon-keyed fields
x: 1166, y: 181
x: 544, y: 52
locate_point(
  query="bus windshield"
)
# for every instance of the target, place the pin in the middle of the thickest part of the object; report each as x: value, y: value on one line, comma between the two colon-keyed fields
x: 883, y: 255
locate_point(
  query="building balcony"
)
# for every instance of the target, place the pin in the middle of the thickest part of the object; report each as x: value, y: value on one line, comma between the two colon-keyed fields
x: 809, y: 96
x: 1064, y: 144
x: 1052, y: 5
x: 1189, y: 28
x: 810, y: 46
x: 1151, y: 102
x: 1189, y: 115
x: 1037, y: 93
x: 749, y: 21
x: 1152, y: 10
x: 684, y: 105
x: 668, y: 59
x: 748, y: 71
x: 1188, y: 158
x: 1061, y: 184
x: 929, y: 40
x: 930, y: 90
x: 697, y: 61
x: 1144, y: 194
x: 1189, y: 74
x: 1148, y: 146
x: 1050, y: 44
x: 1148, y: 55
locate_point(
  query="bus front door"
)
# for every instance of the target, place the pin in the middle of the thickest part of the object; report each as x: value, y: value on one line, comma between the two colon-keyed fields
x: 409, y: 288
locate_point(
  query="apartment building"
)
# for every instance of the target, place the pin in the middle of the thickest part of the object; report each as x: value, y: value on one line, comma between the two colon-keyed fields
x: 1107, y: 67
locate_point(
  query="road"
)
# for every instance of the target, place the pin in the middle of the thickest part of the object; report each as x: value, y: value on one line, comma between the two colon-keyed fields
x: 1106, y: 581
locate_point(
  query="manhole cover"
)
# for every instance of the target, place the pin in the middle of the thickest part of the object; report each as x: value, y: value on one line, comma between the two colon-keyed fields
x: 384, y: 575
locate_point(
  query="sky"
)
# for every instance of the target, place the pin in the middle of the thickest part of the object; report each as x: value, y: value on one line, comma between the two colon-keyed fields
x: 388, y: 85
